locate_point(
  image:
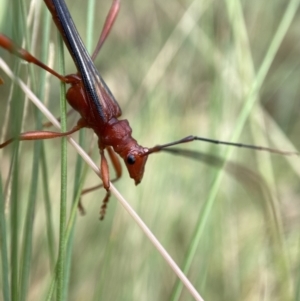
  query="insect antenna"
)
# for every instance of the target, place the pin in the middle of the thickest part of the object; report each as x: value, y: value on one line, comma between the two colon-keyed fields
x: 187, y: 139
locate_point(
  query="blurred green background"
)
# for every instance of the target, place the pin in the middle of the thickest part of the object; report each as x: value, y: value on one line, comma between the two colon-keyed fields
x: 217, y: 69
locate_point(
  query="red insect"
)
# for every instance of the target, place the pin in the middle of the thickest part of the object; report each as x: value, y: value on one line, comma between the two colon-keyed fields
x: 91, y: 98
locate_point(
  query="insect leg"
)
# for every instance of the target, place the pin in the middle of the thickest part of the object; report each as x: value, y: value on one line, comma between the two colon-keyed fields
x: 118, y: 169
x: 109, y: 21
x: 116, y: 162
x: 41, y: 135
x: 10, y: 46
x: 104, y: 171
x: 104, y: 205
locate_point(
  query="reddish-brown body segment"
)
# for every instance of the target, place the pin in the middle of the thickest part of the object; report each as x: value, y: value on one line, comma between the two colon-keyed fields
x: 110, y: 131
x: 90, y: 97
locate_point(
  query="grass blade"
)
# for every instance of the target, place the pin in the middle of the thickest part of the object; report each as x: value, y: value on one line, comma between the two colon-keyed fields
x: 61, y: 274
x: 3, y: 249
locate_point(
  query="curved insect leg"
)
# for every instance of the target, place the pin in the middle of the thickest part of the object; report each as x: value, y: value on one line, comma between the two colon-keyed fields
x: 10, y: 46
x: 109, y: 21
x: 104, y: 170
x: 41, y: 135
x: 104, y: 173
x: 115, y: 162
x: 105, y: 176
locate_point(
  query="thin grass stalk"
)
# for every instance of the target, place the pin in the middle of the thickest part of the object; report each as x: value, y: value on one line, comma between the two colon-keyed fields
x: 265, y: 67
x: 286, y: 20
x: 246, y: 110
x: 63, y: 201
x: 48, y: 210
x: 17, y: 106
x: 29, y: 219
x: 169, y: 50
x: 52, y: 287
x: 14, y: 204
x: 68, y: 232
x: 29, y: 223
x: 45, y: 178
x: 90, y: 25
x: 78, y: 176
x: 297, y: 282
x: 3, y: 248
x: 280, y: 255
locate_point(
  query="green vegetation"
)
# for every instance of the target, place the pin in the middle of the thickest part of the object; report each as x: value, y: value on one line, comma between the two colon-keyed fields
x: 227, y: 70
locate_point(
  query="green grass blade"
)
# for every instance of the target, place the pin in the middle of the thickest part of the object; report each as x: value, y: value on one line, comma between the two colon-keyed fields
x: 26, y: 257
x: 45, y: 177
x: 68, y: 233
x: 16, y: 114
x: 3, y: 249
x: 15, y: 206
x: 61, y: 280
x: 249, y: 102
x: 246, y: 67
x: 265, y: 66
x: 78, y: 178
x: 90, y: 25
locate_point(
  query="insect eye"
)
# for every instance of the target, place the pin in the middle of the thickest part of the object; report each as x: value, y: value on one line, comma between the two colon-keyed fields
x: 130, y: 159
